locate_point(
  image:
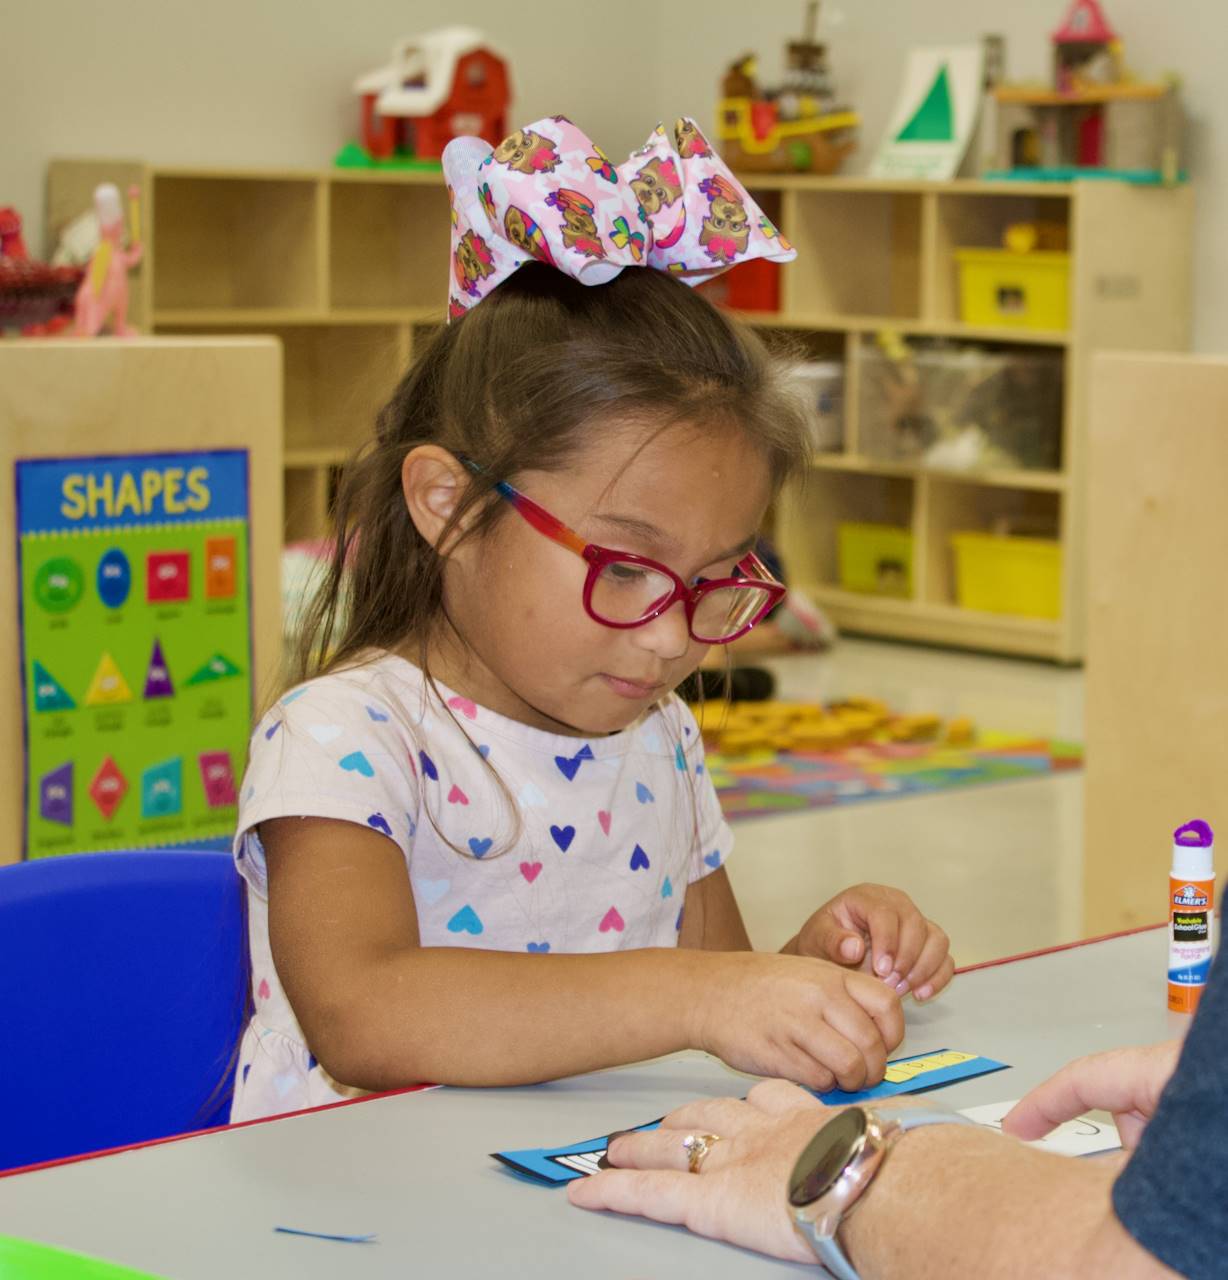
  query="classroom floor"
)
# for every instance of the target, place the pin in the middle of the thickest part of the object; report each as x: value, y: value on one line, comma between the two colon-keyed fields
x: 998, y: 866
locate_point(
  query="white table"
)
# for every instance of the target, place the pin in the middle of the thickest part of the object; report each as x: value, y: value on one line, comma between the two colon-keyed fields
x: 414, y: 1168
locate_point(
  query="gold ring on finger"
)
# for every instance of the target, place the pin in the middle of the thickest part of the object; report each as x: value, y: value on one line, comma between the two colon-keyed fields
x: 697, y: 1146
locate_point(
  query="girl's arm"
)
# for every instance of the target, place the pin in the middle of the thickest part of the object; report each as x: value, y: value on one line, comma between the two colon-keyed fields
x: 712, y: 919
x: 380, y: 1011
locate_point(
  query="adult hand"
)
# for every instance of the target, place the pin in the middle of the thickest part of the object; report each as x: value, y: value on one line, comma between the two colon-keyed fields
x: 792, y: 1016
x: 1127, y: 1082
x: 907, y: 951
x: 740, y: 1195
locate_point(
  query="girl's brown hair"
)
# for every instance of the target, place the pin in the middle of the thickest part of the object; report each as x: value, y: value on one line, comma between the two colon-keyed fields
x: 521, y: 383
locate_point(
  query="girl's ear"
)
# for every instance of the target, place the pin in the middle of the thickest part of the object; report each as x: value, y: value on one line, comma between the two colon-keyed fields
x: 433, y: 482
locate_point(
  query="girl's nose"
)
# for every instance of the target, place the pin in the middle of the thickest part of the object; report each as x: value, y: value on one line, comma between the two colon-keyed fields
x: 667, y: 636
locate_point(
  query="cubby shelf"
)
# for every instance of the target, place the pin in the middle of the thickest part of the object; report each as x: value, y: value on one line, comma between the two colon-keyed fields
x: 348, y: 268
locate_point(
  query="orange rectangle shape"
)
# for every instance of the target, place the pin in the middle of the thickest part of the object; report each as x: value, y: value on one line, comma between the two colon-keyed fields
x: 220, y: 569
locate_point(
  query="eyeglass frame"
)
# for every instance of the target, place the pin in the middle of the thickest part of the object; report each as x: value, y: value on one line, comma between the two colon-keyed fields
x: 598, y: 557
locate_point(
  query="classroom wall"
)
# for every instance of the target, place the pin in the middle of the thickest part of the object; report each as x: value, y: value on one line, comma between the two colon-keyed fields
x: 267, y: 81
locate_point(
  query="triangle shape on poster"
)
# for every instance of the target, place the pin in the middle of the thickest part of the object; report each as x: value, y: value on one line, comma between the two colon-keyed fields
x: 934, y: 119
x: 49, y: 693
x: 219, y: 667
x: 158, y: 682
x: 108, y: 686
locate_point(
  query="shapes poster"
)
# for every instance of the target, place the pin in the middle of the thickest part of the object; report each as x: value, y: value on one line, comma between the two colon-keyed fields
x: 136, y: 648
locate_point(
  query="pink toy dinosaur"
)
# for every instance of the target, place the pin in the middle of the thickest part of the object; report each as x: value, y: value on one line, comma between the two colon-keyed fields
x: 103, y: 293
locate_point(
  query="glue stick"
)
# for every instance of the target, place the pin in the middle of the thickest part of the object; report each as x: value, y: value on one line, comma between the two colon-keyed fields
x: 1191, y: 919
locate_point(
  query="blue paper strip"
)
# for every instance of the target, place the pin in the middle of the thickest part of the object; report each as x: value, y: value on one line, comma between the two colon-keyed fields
x: 323, y: 1235
x: 555, y: 1166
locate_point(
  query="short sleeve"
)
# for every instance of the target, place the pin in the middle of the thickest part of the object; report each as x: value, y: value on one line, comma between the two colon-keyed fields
x: 1171, y: 1196
x: 713, y: 835
x: 327, y: 750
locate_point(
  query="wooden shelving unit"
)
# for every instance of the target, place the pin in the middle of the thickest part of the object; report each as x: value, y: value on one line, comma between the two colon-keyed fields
x: 876, y: 256
x: 348, y: 269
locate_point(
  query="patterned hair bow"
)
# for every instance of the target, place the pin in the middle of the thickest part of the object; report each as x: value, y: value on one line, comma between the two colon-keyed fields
x: 547, y: 193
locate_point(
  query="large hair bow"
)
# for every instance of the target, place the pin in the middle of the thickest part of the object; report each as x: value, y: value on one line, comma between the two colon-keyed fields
x: 548, y: 193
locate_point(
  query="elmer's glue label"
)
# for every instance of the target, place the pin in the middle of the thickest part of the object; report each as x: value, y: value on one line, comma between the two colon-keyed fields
x: 1191, y: 918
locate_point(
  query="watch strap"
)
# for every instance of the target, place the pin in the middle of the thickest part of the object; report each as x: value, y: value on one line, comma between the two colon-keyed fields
x: 831, y: 1256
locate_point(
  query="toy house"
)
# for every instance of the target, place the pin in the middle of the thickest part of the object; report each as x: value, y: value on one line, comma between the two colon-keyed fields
x: 437, y: 86
x: 1095, y: 120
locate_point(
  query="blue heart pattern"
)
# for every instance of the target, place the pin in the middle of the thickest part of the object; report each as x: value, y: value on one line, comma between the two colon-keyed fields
x: 271, y: 730
x: 569, y: 765
x: 380, y: 823
x: 428, y: 766
x: 465, y: 921
x: 563, y: 836
x: 356, y: 762
x: 643, y: 795
x: 538, y: 948
x: 667, y: 889
x: 380, y: 717
x: 294, y: 696
x: 680, y: 758
x: 639, y: 860
x: 480, y: 848
x: 713, y: 859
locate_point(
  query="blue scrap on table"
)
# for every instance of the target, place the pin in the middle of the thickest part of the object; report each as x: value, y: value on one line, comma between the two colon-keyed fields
x: 324, y: 1235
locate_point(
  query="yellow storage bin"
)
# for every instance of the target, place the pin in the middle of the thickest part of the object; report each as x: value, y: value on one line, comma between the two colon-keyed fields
x: 1001, y: 289
x: 876, y: 558
x: 997, y: 574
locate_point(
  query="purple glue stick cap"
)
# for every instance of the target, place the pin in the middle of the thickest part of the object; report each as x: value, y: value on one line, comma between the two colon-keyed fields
x: 1195, y: 835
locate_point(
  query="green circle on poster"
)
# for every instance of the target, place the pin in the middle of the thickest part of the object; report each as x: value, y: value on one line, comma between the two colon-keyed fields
x: 58, y: 584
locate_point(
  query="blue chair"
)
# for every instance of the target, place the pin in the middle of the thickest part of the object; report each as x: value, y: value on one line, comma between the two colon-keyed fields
x: 123, y: 994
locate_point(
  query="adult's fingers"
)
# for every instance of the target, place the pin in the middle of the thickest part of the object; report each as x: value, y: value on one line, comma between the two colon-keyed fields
x: 662, y: 1195
x: 725, y: 1116
x: 776, y: 1097
x: 1119, y: 1080
x: 657, y: 1149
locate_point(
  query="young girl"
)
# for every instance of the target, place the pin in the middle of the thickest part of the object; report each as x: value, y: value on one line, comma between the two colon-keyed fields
x: 480, y: 842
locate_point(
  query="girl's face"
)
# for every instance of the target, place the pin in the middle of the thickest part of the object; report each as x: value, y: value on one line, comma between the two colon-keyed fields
x: 692, y: 498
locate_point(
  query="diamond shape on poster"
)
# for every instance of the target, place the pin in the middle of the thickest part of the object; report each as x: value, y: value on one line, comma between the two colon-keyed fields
x: 108, y: 686
x: 162, y: 789
x: 218, y: 777
x: 108, y: 788
x: 55, y: 795
x: 49, y: 693
x: 219, y: 667
x: 157, y: 676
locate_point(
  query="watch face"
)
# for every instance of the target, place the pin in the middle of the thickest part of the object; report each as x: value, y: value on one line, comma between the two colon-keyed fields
x: 819, y: 1167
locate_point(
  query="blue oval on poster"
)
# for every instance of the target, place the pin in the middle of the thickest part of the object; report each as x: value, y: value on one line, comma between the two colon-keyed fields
x: 114, y: 578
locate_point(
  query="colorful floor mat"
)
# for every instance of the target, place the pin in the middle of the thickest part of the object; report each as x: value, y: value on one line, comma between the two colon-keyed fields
x: 775, y: 782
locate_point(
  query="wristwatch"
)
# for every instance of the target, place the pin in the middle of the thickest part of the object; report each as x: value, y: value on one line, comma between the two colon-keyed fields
x: 837, y: 1166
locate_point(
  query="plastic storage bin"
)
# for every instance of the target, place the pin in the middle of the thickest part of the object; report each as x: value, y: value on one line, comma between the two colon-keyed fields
x: 821, y: 384
x: 875, y: 558
x: 958, y: 407
x: 1001, y: 289
x: 998, y: 574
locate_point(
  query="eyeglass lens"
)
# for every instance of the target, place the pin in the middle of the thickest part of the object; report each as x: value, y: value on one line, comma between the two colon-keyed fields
x: 625, y: 592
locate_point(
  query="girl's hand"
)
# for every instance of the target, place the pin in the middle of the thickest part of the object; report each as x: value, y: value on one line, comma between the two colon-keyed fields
x: 798, y: 1018
x: 1127, y: 1082
x: 907, y: 951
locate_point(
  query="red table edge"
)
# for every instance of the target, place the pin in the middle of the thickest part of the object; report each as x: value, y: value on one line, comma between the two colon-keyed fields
x: 419, y: 1088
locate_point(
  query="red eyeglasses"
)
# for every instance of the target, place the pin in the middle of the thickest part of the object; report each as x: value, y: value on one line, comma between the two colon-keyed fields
x: 624, y: 590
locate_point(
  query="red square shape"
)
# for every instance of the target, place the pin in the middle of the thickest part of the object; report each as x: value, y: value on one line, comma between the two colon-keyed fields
x: 167, y: 580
